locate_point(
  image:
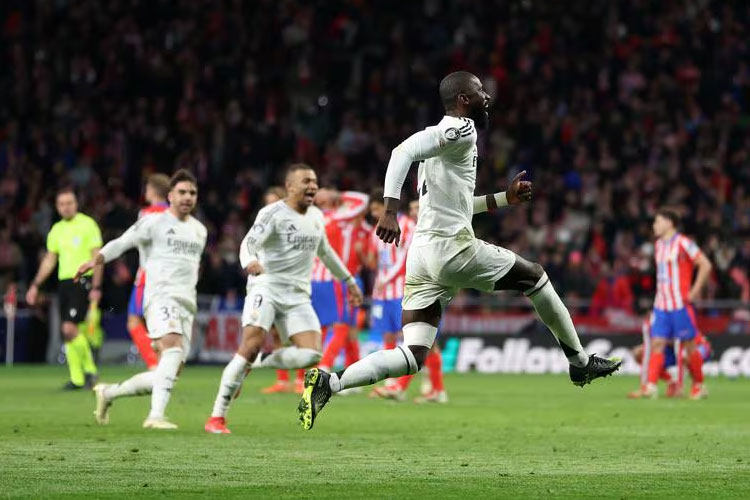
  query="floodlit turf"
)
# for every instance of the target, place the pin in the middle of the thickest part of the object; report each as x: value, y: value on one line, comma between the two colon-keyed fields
x: 500, y: 436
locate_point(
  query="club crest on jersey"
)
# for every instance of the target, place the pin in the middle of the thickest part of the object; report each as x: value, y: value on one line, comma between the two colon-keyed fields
x: 452, y: 134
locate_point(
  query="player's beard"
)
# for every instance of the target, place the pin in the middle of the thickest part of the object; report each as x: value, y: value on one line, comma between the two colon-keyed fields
x: 481, y: 117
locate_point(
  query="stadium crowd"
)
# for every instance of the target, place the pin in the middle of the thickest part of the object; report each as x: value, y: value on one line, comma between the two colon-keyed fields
x: 613, y: 108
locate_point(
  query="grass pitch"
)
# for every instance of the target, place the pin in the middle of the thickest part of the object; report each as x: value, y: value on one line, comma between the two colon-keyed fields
x: 500, y: 436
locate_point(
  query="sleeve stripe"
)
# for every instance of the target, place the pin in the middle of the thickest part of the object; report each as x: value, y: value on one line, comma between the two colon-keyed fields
x: 267, y: 217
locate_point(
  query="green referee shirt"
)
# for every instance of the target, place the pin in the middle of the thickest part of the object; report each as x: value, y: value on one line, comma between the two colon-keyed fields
x: 73, y: 240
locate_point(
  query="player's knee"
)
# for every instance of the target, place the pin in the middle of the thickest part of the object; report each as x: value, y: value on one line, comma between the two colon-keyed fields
x: 420, y: 354
x: 170, y: 341
x: 658, y: 344
x: 522, y: 277
x: 536, y: 272
x: 252, y: 341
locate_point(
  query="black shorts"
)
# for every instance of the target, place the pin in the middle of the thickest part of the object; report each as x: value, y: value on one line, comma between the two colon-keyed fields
x: 74, y: 299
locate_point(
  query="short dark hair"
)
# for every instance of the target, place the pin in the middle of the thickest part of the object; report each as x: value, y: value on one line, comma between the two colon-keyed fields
x: 671, y: 213
x: 182, y: 175
x: 377, y: 195
x: 453, y: 84
x: 65, y: 190
x: 160, y: 183
x: 295, y: 167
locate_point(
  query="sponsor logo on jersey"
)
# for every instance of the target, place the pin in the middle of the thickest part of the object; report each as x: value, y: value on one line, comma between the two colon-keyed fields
x: 183, y: 247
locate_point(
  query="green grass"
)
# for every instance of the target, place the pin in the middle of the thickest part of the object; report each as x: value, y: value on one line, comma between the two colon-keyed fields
x: 500, y: 436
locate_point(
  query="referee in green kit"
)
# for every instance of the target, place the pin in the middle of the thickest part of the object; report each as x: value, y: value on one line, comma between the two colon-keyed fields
x: 71, y: 242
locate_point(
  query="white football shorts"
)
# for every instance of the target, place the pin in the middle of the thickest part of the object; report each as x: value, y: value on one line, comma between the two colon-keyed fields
x: 166, y: 315
x: 438, y: 267
x: 291, y: 311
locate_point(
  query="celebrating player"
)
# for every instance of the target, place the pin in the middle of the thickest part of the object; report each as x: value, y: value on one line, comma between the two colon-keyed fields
x: 171, y: 243
x: 445, y: 255
x: 71, y: 241
x: 278, y: 253
x: 386, y: 306
x: 157, y: 189
x: 674, y: 316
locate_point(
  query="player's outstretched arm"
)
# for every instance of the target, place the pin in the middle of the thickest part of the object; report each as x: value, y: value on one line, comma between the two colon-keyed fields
x: 97, y: 260
x: 518, y: 192
x: 136, y: 234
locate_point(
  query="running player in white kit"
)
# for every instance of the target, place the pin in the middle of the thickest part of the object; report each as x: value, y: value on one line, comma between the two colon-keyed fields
x: 445, y: 256
x: 171, y: 244
x: 278, y: 254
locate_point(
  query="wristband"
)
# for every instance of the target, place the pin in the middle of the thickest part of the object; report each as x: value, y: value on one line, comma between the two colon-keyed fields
x: 496, y: 200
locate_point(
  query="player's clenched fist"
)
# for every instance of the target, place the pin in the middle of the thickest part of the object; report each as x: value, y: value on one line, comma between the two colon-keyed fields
x: 387, y: 229
x: 519, y: 191
x: 254, y: 268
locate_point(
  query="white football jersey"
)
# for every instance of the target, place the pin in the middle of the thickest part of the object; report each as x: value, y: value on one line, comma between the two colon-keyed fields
x: 171, y: 250
x: 285, y: 242
x: 446, y: 178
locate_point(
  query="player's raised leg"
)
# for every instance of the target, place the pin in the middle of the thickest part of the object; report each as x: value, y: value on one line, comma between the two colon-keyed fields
x: 137, y: 385
x: 531, y: 279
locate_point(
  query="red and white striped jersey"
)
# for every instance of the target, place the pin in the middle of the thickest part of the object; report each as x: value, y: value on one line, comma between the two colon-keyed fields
x: 353, y: 203
x: 156, y: 208
x: 333, y: 232
x: 675, y: 260
x: 391, y: 262
x: 356, y: 240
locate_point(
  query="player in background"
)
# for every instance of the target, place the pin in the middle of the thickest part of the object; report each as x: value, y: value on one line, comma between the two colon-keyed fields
x: 674, y: 317
x: 278, y: 254
x: 171, y: 243
x: 157, y: 189
x: 445, y: 256
x: 72, y: 240
x: 672, y: 372
x: 281, y: 385
x: 386, y: 308
x: 349, y: 213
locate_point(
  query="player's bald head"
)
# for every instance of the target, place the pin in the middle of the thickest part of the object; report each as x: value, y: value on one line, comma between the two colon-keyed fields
x: 458, y: 82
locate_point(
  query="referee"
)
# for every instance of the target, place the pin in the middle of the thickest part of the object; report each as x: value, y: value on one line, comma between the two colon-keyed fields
x: 71, y: 242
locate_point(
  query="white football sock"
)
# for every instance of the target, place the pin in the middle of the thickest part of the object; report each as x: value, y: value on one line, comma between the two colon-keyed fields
x: 290, y: 358
x: 164, y: 378
x: 374, y: 367
x: 555, y: 315
x: 137, y: 385
x: 231, y: 381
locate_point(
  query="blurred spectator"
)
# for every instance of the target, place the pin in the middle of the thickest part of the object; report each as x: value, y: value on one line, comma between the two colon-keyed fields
x: 613, y: 108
